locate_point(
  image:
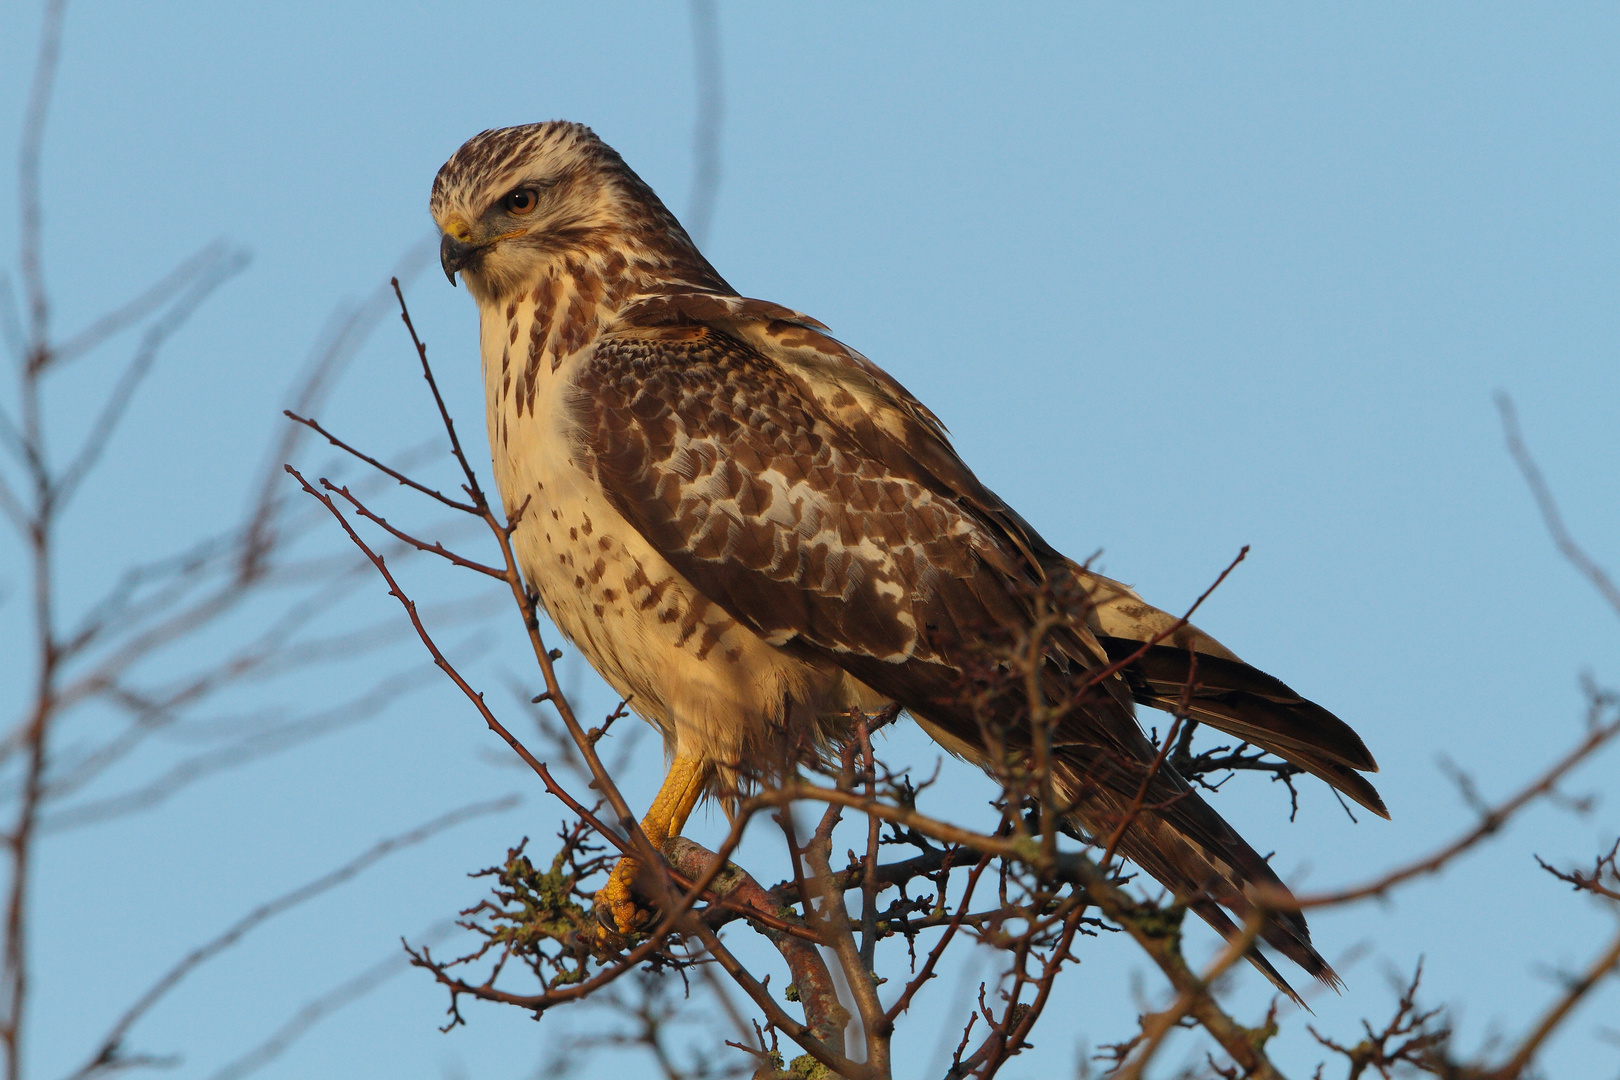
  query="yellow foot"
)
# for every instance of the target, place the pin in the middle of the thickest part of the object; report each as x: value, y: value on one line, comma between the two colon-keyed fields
x: 615, y: 903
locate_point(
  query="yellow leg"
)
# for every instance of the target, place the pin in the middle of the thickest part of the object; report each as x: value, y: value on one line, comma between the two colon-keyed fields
x: 673, y: 804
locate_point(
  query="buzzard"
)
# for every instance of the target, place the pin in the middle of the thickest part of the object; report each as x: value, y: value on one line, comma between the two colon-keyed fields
x: 751, y: 530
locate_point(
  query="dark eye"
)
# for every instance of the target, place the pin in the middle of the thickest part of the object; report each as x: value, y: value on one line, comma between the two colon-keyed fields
x: 520, y: 202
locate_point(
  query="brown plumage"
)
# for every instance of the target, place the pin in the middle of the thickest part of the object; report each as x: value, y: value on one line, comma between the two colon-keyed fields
x: 750, y: 529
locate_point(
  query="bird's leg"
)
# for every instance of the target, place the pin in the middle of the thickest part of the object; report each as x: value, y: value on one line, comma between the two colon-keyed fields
x: 683, y: 786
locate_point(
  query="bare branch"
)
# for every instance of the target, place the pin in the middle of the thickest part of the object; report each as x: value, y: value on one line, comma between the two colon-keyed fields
x: 1489, y: 823
x: 113, y: 1042
x: 1139, y: 800
x: 28, y: 158
x: 1158, y: 1027
x: 11, y: 439
x: 112, y: 667
x: 12, y: 507
x: 825, y: 1019
x: 710, y: 111
x: 1549, y: 507
x: 439, y: 660
x: 1607, y: 963
x: 254, y: 748
x: 1413, y: 1039
x: 318, y: 1009
x: 438, y: 399
x: 379, y: 466
x: 916, y: 982
x: 1604, y: 866
x: 11, y: 323
x: 346, y: 331
x: 527, y: 604
x: 421, y: 545
x: 123, y: 392
x: 147, y: 303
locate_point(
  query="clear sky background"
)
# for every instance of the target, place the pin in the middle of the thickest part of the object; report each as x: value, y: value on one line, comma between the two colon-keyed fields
x: 1178, y: 278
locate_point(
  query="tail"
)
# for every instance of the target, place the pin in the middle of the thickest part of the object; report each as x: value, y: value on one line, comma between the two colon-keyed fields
x: 1181, y: 841
x: 1101, y: 756
x: 1226, y: 693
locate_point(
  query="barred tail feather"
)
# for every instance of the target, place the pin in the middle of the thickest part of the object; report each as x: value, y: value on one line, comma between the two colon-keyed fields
x: 1226, y: 693
x: 1183, y: 843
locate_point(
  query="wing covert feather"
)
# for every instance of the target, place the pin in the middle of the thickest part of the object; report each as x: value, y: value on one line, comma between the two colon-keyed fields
x: 774, y: 511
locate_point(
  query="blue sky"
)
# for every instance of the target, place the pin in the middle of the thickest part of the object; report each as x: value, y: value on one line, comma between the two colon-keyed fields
x: 1178, y: 278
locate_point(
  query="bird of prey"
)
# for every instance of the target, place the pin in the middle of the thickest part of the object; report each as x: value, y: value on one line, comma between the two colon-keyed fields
x: 751, y: 530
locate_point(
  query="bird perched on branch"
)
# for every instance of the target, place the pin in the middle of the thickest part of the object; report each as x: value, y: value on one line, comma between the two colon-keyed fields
x: 751, y: 531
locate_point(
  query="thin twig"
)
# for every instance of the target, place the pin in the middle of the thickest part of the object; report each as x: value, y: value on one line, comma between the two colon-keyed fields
x: 706, y: 128
x: 146, y: 303
x: 916, y: 982
x: 1606, y: 964
x: 1098, y: 677
x: 28, y: 158
x: 399, y: 534
x: 316, y: 1010
x: 527, y: 603
x: 1159, y: 1026
x: 1139, y: 800
x: 379, y: 466
x: 1489, y: 823
x: 108, y: 1052
x: 123, y: 392
x: 1548, y: 506
x: 253, y: 748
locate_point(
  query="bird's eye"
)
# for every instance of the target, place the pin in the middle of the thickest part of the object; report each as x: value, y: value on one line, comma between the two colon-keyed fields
x: 520, y: 202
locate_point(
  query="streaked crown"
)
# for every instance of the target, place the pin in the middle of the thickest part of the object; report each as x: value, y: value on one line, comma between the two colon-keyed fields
x: 516, y: 203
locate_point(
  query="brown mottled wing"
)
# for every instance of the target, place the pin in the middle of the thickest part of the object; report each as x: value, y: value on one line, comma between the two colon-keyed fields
x: 804, y: 534
x: 776, y: 513
x: 865, y: 402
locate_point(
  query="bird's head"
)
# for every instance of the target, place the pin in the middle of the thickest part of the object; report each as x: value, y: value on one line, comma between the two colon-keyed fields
x: 516, y: 203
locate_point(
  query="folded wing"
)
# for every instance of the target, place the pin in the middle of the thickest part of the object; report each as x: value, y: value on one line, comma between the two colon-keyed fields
x: 802, y: 489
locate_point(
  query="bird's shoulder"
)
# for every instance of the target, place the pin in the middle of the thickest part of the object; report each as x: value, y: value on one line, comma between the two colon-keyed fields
x: 775, y: 507
x: 868, y: 407
x: 802, y: 489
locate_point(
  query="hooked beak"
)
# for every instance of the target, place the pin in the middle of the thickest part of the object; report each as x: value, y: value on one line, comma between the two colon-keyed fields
x: 454, y: 255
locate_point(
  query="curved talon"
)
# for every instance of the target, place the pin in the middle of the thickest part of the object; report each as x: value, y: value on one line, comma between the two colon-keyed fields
x: 615, y: 904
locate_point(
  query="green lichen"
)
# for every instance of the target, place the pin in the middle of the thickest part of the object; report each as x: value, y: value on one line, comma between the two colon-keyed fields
x: 809, y: 1068
x: 1160, y: 922
x: 536, y: 905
